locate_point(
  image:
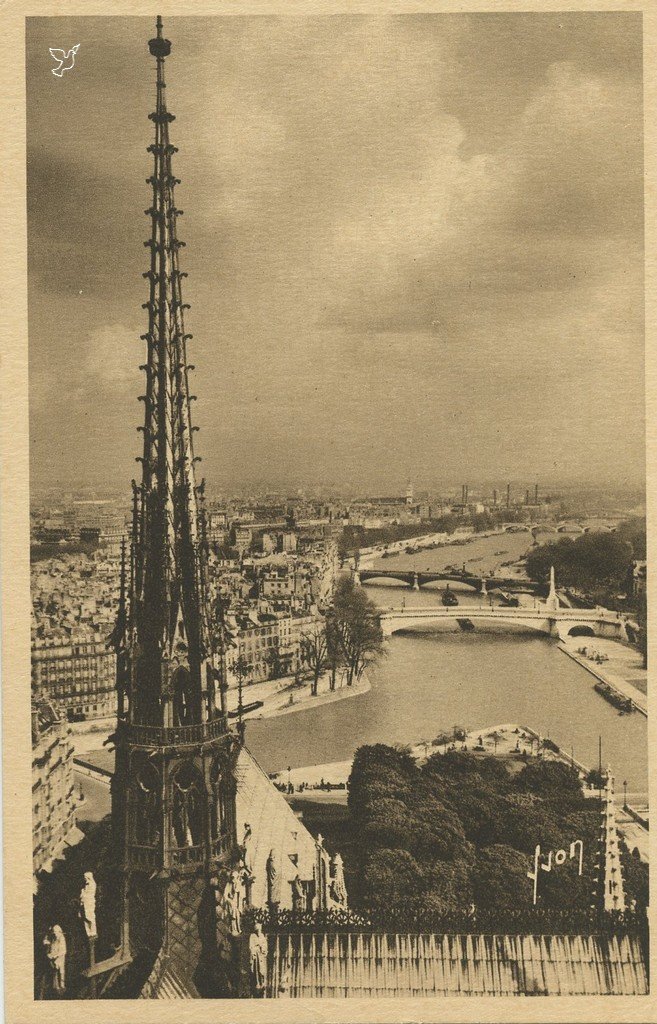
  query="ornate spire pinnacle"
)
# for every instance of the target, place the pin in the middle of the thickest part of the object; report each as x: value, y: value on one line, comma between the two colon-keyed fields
x: 609, y: 894
x: 169, y: 618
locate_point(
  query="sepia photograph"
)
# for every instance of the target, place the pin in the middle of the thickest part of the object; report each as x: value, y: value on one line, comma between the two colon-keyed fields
x: 337, y: 508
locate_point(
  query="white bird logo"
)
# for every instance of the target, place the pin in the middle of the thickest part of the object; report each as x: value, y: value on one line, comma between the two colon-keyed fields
x: 64, y: 60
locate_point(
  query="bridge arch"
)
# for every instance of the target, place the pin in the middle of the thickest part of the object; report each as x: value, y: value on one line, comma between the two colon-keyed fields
x: 425, y: 579
x: 570, y: 528
x: 383, y: 575
x: 581, y: 630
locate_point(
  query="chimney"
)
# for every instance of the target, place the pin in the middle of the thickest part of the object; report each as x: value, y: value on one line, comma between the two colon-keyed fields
x: 495, y: 496
x: 508, y: 495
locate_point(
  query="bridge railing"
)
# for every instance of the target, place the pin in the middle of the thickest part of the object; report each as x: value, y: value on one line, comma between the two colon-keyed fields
x: 463, y: 611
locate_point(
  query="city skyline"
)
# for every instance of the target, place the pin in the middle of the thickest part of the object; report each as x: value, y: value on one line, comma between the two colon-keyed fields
x: 384, y: 234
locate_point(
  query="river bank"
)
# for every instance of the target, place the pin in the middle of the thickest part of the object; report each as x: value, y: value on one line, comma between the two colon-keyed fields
x: 620, y: 685
x: 278, y: 697
x: 296, y: 696
x: 367, y: 556
x: 498, y: 740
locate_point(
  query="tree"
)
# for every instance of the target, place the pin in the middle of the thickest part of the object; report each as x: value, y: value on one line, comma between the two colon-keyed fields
x: 334, y: 653
x: 465, y: 827
x: 388, y: 824
x: 379, y: 772
x: 593, y: 562
x: 359, y: 628
x: 314, y: 653
x: 550, y: 779
x: 499, y: 878
x: 392, y: 879
x: 634, y: 531
x: 442, y: 739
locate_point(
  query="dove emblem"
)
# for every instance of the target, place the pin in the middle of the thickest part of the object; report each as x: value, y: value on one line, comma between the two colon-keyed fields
x: 65, y: 61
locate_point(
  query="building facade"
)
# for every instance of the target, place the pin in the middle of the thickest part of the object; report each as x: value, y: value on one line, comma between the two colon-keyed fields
x: 78, y: 677
x: 54, y: 801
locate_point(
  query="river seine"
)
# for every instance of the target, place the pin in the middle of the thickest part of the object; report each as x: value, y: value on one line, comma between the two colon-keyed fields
x: 431, y: 681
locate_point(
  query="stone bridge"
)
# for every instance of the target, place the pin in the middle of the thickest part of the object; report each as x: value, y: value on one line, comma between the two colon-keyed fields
x: 556, y: 622
x: 573, y: 529
x: 481, y: 584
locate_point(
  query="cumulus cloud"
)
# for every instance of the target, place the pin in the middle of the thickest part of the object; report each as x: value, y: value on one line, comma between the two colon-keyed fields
x: 400, y: 230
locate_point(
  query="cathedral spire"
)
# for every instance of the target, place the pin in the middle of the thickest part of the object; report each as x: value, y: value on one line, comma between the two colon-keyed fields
x: 169, y: 617
x: 173, y: 789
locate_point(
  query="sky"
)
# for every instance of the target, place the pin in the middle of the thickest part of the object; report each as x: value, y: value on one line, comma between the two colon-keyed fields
x: 414, y: 246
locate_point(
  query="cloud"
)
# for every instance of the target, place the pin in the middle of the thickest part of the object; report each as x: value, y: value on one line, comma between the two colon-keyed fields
x: 401, y: 231
x: 459, y: 237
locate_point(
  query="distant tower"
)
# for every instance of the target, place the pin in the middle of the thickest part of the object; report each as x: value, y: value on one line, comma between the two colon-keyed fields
x: 508, y: 495
x: 409, y: 493
x: 173, y: 791
x: 495, y: 496
x: 536, y: 494
x: 609, y: 892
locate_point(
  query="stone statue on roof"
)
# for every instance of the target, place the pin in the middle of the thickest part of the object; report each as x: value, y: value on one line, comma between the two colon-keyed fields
x: 338, y: 887
x: 258, y: 959
x: 88, y: 905
x: 273, y: 882
x: 231, y: 904
x: 55, y: 946
x: 298, y: 895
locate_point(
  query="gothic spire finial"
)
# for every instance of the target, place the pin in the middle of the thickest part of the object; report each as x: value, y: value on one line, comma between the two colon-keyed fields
x: 159, y: 47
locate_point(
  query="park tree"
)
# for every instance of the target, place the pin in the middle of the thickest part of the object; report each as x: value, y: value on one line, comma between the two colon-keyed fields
x: 314, y: 653
x: 379, y: 772
x: 594, y: 562
x: 634, y: 531
x: 392, y: 880
x: 550, y: 779
x: 388, y: 823
x: 463, y: 829
x: 359, y: 628
x: 499, y: 879
x: 334, y: 652
x: 436, y: 831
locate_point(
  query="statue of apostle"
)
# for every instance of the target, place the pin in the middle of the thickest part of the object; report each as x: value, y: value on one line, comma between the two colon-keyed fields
x: 88, y: 905
x: 55, y: 946
x: 273, y: 883
x: 258, y: 960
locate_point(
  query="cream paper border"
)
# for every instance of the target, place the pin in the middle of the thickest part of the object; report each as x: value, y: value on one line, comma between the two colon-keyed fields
x: 20, y: 1006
